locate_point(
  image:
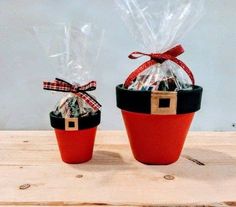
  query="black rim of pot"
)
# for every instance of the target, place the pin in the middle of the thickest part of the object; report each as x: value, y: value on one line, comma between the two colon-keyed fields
x: 73, y: 124
x: 159, y: 102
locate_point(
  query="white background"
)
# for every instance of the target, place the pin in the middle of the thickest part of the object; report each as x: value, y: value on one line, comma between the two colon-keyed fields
x: 210, y: 52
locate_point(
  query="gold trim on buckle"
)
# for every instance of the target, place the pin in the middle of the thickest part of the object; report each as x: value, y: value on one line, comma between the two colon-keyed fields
x: 75, y: 123
x: 169, y: 96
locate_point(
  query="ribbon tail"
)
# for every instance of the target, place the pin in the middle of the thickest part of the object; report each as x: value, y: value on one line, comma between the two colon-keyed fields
x: 90, y: 100
x: 139, y: 70
x: 184, y: 67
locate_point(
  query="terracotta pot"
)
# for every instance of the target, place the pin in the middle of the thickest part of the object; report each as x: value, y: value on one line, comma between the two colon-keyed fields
x: 75, y: 137
x: 157, y: 123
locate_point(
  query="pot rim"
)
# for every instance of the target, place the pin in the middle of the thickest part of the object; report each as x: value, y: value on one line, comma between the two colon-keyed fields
x: 159, y: 102
x: 75, y: 124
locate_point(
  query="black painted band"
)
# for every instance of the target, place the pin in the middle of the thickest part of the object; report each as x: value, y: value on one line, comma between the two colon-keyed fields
x: 140, y: 101
x: 85, y: 122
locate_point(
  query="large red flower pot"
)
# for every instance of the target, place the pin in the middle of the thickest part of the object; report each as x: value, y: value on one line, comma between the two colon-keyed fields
x: 157, y: 122
x: 75, y: 137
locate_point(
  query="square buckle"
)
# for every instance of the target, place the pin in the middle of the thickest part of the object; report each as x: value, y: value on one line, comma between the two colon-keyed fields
x: 71, y: 124
x: 163, y: 102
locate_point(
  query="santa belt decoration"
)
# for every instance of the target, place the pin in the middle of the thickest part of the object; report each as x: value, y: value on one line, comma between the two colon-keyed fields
x: 159, y: 102
x: 72, y: 124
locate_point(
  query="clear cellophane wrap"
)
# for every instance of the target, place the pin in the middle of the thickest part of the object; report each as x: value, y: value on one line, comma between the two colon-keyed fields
x: 74, y: 51
x: 158, y: 25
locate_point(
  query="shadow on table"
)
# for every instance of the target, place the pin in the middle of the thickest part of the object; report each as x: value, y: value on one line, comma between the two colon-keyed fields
x: 201, y: 164
x: 194, y: 163
x: 104, y: 161
x: 102, y: 157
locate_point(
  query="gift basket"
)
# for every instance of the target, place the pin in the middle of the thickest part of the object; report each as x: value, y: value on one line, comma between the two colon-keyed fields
x: 74, y: 51
x: 158, y: 100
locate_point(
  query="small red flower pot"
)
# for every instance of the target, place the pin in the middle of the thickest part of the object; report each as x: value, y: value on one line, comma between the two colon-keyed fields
x: 157, y: 122
x: 75, y: 136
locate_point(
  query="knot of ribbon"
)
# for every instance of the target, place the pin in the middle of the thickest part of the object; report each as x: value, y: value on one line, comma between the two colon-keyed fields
x: 158, y: 58
x: 63, y: 86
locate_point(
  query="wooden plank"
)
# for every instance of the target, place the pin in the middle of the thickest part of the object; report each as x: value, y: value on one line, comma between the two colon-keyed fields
x: 205, y: 175
x: 114, y: 137
x: 61, y: 204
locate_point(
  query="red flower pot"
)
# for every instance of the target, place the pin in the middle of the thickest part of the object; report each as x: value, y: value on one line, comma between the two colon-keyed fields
x: 75, y: 137
x: 157, y: 122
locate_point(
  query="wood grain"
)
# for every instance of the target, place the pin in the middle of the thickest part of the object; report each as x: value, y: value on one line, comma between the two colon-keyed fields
x: 32, y: 173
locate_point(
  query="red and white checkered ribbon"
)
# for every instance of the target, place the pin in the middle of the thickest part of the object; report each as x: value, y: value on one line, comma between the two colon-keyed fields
x: 63, y: 86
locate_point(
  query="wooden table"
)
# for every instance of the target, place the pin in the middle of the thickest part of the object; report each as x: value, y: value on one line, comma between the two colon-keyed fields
x: 32, y: 173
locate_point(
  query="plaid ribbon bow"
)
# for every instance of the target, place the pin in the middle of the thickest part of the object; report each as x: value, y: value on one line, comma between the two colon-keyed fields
x: 63, y: 86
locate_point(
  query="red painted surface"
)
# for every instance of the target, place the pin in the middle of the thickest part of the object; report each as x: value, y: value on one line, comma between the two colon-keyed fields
x: 156, y: 139
x: 76, y: 146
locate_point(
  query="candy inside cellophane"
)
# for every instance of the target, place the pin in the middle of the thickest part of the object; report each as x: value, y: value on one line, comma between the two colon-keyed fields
x: 72, y: 106
x: 163, y: 77
x: 74, y: 51
x: 158, y: 26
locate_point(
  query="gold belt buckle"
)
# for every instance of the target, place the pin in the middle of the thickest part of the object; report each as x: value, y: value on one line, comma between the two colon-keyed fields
x: 163, y: 102
x: 71, y: 124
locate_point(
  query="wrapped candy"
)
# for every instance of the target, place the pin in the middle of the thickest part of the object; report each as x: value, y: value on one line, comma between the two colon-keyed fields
x: 70, y: 48
x: 158, y: 26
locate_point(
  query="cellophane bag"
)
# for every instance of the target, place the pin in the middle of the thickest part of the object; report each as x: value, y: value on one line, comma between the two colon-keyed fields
x: 74, y: 51
x: 158, y: 25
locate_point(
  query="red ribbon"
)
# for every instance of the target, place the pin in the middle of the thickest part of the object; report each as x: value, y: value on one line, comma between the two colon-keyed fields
x: 158, y: 58
x: 63, y: 86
